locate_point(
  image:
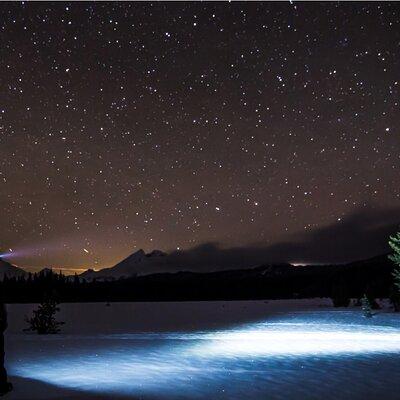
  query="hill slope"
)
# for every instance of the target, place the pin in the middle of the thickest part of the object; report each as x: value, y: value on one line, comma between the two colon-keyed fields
x: 9, y: 270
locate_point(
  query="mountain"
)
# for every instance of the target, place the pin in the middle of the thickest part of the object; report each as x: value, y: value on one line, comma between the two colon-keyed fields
x: 206, y: 258
x: 138, y: 263
x: 9, y: 270
x: 265, y: 281
x: 203, y: 259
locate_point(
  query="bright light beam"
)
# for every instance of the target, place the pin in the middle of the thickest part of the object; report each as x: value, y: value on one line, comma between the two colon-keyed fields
x: 160, y: 363
x: 6, y: 255
x: 300, y: 342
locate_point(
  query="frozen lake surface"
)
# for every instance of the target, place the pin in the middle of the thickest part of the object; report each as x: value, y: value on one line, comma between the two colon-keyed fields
x: 299, y: 350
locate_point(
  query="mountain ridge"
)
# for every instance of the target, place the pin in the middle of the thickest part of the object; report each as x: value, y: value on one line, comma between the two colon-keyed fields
x: 140, y: 263
x: 10, y: 270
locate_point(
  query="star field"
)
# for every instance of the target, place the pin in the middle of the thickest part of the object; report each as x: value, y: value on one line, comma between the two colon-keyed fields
x: 169, y: 125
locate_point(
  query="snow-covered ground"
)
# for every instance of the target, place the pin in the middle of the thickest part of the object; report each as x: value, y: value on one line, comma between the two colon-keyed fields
x: 294, y: 349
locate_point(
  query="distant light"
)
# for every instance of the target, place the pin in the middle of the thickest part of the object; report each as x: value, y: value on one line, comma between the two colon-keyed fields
x: 86, y: 250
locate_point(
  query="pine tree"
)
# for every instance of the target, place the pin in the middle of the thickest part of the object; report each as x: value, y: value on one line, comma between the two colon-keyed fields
x: 394, y: 243
x: 43, y: 320
x: 366, y: 306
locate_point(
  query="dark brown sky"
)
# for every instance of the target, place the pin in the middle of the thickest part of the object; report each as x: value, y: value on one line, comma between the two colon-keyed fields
x: 140, y: 125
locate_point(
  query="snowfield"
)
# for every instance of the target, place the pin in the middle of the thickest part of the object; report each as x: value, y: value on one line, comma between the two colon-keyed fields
x: 286, y: 349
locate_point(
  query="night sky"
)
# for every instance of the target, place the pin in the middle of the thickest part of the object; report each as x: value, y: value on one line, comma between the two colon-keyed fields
x: 219, y: 125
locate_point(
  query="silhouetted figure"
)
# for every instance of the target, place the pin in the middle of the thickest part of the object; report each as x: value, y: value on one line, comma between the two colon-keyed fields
x: 5, y: 386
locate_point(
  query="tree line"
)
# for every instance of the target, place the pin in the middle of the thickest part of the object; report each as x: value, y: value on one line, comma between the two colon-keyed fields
x: 372, y: 277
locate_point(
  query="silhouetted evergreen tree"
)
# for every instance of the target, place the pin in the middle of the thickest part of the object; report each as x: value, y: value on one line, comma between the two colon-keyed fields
x: 394, y: 243
x: 43, y: 320
x: 366, y: 306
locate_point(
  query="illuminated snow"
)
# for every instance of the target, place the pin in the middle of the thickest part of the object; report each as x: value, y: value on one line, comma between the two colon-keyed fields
x: 303, y: 341
x: 268, y: 358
